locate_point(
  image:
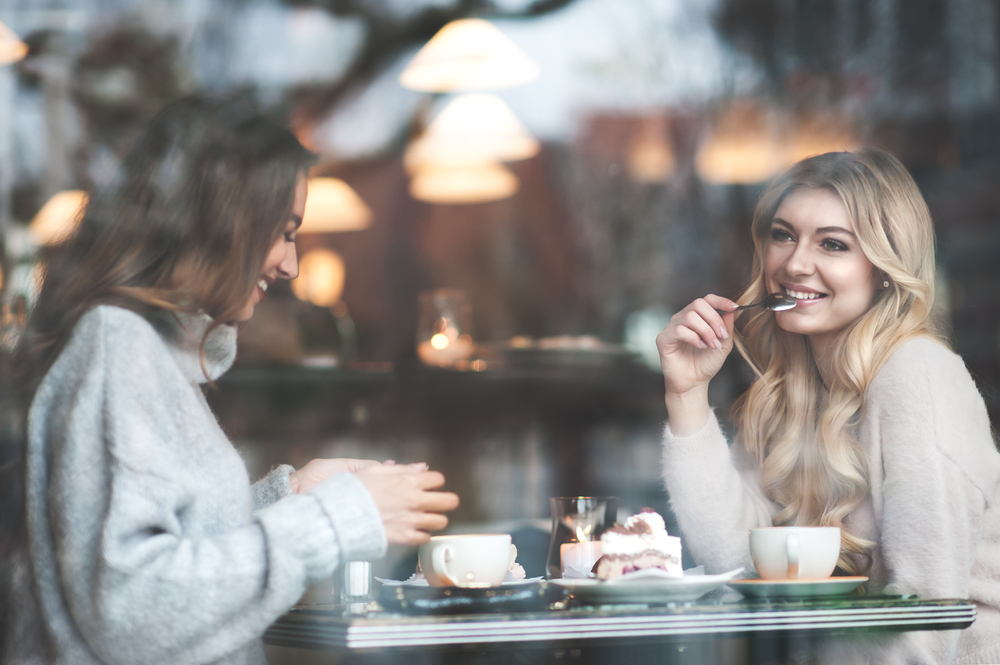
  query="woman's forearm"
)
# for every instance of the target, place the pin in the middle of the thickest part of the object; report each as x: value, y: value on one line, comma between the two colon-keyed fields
x: 688, y: 412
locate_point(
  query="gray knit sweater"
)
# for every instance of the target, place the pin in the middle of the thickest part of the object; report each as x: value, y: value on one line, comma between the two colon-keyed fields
x: 933, y: 506
x: 147, y: 542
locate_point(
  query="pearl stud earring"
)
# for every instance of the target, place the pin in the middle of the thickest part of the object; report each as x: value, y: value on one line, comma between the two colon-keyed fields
x: 885, y: 284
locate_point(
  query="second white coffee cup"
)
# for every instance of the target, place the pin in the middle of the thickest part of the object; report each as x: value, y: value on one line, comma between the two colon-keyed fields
x: 470, y: 560
x: 795, y: 552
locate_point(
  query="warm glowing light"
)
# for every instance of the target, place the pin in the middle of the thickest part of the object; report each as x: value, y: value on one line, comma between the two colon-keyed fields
x: 650, y: 153
x: 332, y: 206
x: 472, y: 128
x: 739, y: 159
x: 58, y: 217
x: 749, y: 144
x: 321, y: 278
x: 744, y: 146
x: 468, y: 54
x: 440, y: 341
x: 12, y: 48
x: 471, y: 183
x: 819, y: 134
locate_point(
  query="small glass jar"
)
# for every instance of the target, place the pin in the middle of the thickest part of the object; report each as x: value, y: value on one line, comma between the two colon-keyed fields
x: 577, y: 525
x: 444, y: 332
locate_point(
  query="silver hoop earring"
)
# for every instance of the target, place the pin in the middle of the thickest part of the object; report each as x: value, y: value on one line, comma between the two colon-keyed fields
x: 885, y: 284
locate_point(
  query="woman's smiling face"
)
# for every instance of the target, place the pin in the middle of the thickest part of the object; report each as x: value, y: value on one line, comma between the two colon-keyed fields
x: 813, y: 254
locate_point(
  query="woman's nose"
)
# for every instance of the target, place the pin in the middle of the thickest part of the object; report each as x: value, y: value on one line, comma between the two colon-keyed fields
x: 289, y: 266
x: 800, y: 262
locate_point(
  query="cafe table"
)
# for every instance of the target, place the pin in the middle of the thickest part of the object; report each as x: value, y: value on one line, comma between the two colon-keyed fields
x: 767, y: 628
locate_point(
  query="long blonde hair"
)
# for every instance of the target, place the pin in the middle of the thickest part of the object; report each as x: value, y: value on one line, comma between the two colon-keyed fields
x: 801, y: 430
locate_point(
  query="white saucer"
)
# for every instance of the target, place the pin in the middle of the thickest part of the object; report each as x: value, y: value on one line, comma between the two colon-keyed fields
x: 832, y: 586
x: 644, y: 587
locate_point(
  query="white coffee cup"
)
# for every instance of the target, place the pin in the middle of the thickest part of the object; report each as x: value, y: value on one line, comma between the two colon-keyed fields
x: 470, y: 560
x: 795, y: 552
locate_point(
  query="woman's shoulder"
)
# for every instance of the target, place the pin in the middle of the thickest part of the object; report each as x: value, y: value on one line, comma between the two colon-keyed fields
x: 106, y: 332
x: 925, y: 402
x: 918, y: 362
x: 114, y: 325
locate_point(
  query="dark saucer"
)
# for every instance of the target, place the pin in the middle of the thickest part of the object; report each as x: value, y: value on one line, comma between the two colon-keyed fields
x: 531, y: 597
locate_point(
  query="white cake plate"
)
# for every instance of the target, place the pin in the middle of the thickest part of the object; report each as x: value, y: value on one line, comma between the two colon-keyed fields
x: 644, y: 587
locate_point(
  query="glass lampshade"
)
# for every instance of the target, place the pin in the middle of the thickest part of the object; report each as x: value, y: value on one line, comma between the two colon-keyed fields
x: 321, y: 278
x: 58, y: 217
x: 472, y: 128
x: 468, y: 54
x: 469, y: 183
x: 12, y: 48
x: 332, y: 206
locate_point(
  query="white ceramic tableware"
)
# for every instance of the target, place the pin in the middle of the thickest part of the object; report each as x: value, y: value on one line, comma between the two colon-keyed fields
x: 469, y: 560
x: 833, y: 586
x: 648, y: 586
x: 795, y: 552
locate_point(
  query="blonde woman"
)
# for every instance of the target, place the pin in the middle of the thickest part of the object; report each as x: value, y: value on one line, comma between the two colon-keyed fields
x: 859, y: 417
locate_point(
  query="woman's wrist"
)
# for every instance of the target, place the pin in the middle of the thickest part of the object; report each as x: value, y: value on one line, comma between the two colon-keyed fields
x: 687, y: 411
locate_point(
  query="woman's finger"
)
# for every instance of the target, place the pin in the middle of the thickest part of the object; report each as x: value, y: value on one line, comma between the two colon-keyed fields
x: 695, y: 321
x: 708, y: 312
x: 408, y: 537
x: 438, y: 502
x: 721, y: 302
x: 431, y: 522
x: 429, y: 480
x: 689, y: 336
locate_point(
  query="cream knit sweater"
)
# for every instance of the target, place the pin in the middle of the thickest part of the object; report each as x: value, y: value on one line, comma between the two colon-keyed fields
x: 933, y: 507
x: 147, y: 542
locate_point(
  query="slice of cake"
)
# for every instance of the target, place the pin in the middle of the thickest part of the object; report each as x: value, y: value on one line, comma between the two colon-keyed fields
x: 515, y: 571
x: 641, y: 543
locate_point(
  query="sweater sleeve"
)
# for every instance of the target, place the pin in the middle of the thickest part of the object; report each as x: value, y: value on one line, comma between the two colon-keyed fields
x: 935, y: 443
x: 715, y: 493
x: 138, y: 585
x: 272, y: 487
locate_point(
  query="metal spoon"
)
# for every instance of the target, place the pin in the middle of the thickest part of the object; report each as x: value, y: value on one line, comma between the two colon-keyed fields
x: 776, y: 302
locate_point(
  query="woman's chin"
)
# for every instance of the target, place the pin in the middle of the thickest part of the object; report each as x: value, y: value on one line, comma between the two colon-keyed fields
x: 245, y: 314
x: 793, y: 324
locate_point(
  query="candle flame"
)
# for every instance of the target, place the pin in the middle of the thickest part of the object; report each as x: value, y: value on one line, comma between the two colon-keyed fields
x: 583, y: 533
x: 439, y: 341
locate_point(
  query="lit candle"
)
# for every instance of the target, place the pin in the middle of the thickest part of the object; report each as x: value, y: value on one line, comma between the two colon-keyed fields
x: 579, y: 558
x: 445, y: 347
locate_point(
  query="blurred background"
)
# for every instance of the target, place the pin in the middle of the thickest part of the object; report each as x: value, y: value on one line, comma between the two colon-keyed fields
x: 502, y: 220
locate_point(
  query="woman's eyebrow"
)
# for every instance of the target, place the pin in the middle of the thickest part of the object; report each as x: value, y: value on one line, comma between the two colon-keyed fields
x: 836, y: 229
x: 822, y: 229
x: 298, y: 221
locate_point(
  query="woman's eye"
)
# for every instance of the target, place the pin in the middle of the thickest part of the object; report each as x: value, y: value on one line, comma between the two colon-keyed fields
x: 834, y: 245
x: 779, y: 235
x: 289, y: 237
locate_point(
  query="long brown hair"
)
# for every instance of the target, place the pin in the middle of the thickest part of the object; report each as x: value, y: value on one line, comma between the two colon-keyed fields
x: 811, y: 462
x: 184, y: 226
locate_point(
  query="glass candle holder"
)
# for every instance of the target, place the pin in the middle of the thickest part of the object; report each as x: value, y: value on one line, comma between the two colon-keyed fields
x: 577, y: 525
x: 444, y: 332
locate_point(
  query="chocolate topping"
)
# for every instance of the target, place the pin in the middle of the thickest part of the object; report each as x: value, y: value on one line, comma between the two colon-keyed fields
x: 637, y: 529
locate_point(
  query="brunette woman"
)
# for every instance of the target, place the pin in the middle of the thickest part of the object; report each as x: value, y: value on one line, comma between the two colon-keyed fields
x: 147, y: 543
x: 859, y: 417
